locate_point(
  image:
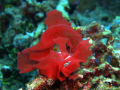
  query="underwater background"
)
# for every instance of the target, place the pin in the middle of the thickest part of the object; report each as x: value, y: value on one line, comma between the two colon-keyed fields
x: 22, y: 26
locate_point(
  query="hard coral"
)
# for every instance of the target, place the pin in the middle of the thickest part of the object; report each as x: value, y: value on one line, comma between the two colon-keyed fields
x: 50, y: 62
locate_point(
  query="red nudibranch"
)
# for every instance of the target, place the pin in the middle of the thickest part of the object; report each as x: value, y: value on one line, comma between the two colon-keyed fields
x: 50, y: 62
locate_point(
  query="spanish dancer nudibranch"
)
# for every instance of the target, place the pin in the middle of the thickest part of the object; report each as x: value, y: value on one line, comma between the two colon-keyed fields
x: 58, y: 52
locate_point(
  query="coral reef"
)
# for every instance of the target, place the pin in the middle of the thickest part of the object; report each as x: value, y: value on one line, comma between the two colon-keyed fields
x: 99, y: 70
x: 83, y: 5
x: 39, y: 83
x: 22, y: 26
x: 115, y: 32
x: 63, y: 7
